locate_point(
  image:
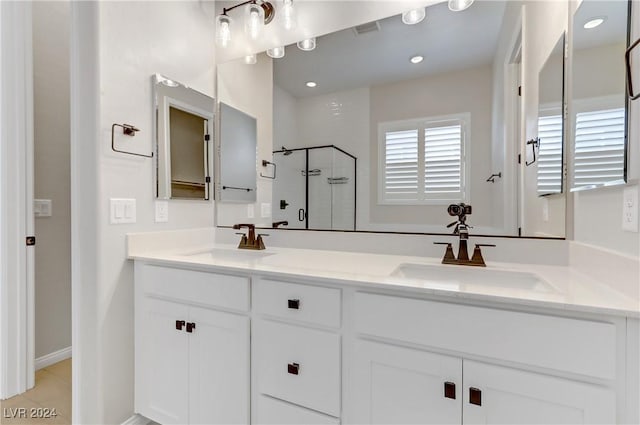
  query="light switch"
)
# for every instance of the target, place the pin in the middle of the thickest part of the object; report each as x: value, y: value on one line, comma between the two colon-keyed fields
x: 162, y: 211
x: 122, y: 211
x: 42, y: 208
x: 630, y: 209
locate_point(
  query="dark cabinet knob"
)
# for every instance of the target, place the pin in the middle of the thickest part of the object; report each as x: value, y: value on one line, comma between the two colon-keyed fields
x: 293, y: 368
x: 191, y: 327
x: 475, y: 396
x: 180, y: 324
x: 450, y: 390
x: 294, y: 304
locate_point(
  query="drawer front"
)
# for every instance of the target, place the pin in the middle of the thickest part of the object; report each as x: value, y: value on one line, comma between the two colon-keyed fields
x: 298, y: 365
x: 571, y: 345
x: 270, y: 410
x: 300, y: 303
x: 209, y: 289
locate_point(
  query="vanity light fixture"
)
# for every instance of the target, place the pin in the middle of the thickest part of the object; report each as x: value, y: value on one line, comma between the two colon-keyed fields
x: 312, y: 84
x: 307, y: 44
x: 223, y: 30
x: 276, y: 52
x: 594, y: 22
x: 257, y: 13
x: 288, y: 13
x: 414, y: 16
x: 416, y: 59
x: 251, y: 59
x: 459, y: 5
x: 253, y: 20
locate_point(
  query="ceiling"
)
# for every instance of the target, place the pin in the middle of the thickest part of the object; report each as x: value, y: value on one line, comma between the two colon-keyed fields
x: 612, y: 31
x: 344, y: 60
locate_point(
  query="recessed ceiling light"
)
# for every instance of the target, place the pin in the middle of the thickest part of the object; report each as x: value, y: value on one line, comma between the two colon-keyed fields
x: 276, y: 52
x: 307, y: 45
x: 594, y: 22
x: 459, y: 5
x: 414, y: 16
x: 311, y: 84
x: 416, y: 59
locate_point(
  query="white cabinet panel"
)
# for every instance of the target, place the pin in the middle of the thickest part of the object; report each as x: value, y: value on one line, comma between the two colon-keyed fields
x: 396, y: 385
x: 219, y: 368
x: 162, y: 363
x: 510, y: 396
x: 272, y: 411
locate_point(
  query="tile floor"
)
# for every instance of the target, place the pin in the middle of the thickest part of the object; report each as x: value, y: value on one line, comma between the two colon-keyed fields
x: 52, y: 391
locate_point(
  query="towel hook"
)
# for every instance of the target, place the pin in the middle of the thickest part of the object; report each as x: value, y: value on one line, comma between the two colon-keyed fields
x: 127, y: 130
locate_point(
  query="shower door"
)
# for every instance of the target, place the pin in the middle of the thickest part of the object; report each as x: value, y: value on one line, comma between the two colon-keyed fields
x: 289, y: 189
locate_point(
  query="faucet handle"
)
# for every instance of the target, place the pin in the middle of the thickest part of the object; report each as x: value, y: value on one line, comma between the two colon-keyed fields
x: 486, y: 244
x: 478, y: 259
x: 449, y: 256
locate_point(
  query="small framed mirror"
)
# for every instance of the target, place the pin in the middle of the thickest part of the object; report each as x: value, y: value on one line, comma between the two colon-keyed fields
x: 550, y: 142
x: 184, y: 125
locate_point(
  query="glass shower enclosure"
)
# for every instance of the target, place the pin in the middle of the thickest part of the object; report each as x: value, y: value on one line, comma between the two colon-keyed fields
x: 315, y: 188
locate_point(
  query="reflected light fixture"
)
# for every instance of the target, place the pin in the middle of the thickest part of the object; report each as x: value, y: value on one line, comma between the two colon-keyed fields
x: 257, y: 14
x: 459, y: 5
x: 414, y: 16
x: 223, y: 30
x: 253, y: 20
x: 288, y: 12
x: 307, y: 44
x: 311, y: 84
x: 594, y: 22
x: 251, y: 59
x: 276, y: 52
x: 416, y: 59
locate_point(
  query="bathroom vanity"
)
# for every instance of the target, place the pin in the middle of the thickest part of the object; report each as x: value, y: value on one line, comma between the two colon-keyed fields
x: 302, y: 336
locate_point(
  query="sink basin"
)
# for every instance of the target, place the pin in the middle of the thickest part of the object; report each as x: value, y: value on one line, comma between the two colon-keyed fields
x: 469, y: 277
x: 241, y: 255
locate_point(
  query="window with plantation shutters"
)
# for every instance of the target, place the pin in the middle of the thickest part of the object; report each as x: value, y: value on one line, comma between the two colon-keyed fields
x: 423, y: 161
x: 599, y: 147
x: 550, y: 154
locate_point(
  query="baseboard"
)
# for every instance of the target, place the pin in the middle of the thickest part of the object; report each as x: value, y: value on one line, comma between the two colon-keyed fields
x: 53, y: 358
x: 137, y: 420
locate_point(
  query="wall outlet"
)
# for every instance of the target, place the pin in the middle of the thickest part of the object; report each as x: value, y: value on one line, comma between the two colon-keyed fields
x: 630, y: 209
x: 122, y: 211
x: 265, y: 209
x: 162, y: 211
x: 251, y: 211
x: 42, y: 208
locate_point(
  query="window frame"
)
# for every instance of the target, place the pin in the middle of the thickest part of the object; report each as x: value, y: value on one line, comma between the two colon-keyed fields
x: 552, y: 110
x: 421, y: 124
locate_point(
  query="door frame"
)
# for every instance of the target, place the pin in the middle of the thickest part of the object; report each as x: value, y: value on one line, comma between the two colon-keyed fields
x: 17, y: 301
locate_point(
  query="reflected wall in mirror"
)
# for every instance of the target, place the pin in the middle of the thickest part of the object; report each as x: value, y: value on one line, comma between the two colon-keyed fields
x: 183, y: 125
x: 238, y: 144
x: 428, y: 110
x: 549, y: 163
x: 599, y: 101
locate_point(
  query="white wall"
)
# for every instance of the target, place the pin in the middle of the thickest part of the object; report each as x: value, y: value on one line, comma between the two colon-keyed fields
x: 52, y: 175
x: 119, y: 45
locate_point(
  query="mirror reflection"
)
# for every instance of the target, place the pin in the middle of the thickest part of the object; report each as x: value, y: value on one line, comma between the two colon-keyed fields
x: 184, y: 123
x: 599, y: 104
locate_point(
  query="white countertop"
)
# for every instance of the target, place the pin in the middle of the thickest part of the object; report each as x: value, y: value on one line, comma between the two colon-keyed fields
x: 571, y: 289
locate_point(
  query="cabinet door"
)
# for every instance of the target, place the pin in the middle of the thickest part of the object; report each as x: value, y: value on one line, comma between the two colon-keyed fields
x: 161, y: 362
x: 510, y: 396
x: 396, y: 385
x: 219, y: 368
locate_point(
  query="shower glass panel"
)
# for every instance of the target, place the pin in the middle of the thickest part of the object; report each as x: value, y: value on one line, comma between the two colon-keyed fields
x: 315, y: 188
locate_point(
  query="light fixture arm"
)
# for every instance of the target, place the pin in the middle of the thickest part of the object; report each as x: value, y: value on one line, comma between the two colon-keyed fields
x: 269, y: 10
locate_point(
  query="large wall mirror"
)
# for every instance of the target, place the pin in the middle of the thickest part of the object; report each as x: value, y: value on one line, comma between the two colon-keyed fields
x: 599, y: 102
x: 183, y: 127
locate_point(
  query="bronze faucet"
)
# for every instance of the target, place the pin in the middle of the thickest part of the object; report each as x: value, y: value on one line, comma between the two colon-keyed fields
x: 249, y: 241
x: 277, y: 224
x: 462, y: 230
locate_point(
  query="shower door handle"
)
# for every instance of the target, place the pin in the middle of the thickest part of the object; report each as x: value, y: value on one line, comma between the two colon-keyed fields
x: 301, y: 214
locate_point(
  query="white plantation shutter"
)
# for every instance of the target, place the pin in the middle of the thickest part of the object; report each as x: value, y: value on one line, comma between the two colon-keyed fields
x: 443, y: 159
x: 401, y: 164
x: 599, y: 147
x: 550, y: 155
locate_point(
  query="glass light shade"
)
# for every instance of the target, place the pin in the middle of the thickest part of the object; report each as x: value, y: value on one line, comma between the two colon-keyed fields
x: 288, y: 15
x: 223, y: 30
x: 307, y: 45
x: 459, y: 5
x: 251, y: 59
x: 253, y: 20
x: 414, y: 16
x: 276, y: 52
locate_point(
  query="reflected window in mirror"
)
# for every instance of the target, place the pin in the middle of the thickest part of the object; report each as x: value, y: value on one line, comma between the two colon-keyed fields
x: 423, y: 161
x: 183, y: 128
x: 599, y: 101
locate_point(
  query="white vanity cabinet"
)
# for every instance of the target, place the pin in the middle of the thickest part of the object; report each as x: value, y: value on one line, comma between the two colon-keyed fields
x: 192, y: 357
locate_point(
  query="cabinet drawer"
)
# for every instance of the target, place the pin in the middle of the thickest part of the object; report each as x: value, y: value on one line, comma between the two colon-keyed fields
x: 570, y: 345
x: 298, y: 365
x: 208, y: 289
x: 270, y: 410
x: 301, y: 303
